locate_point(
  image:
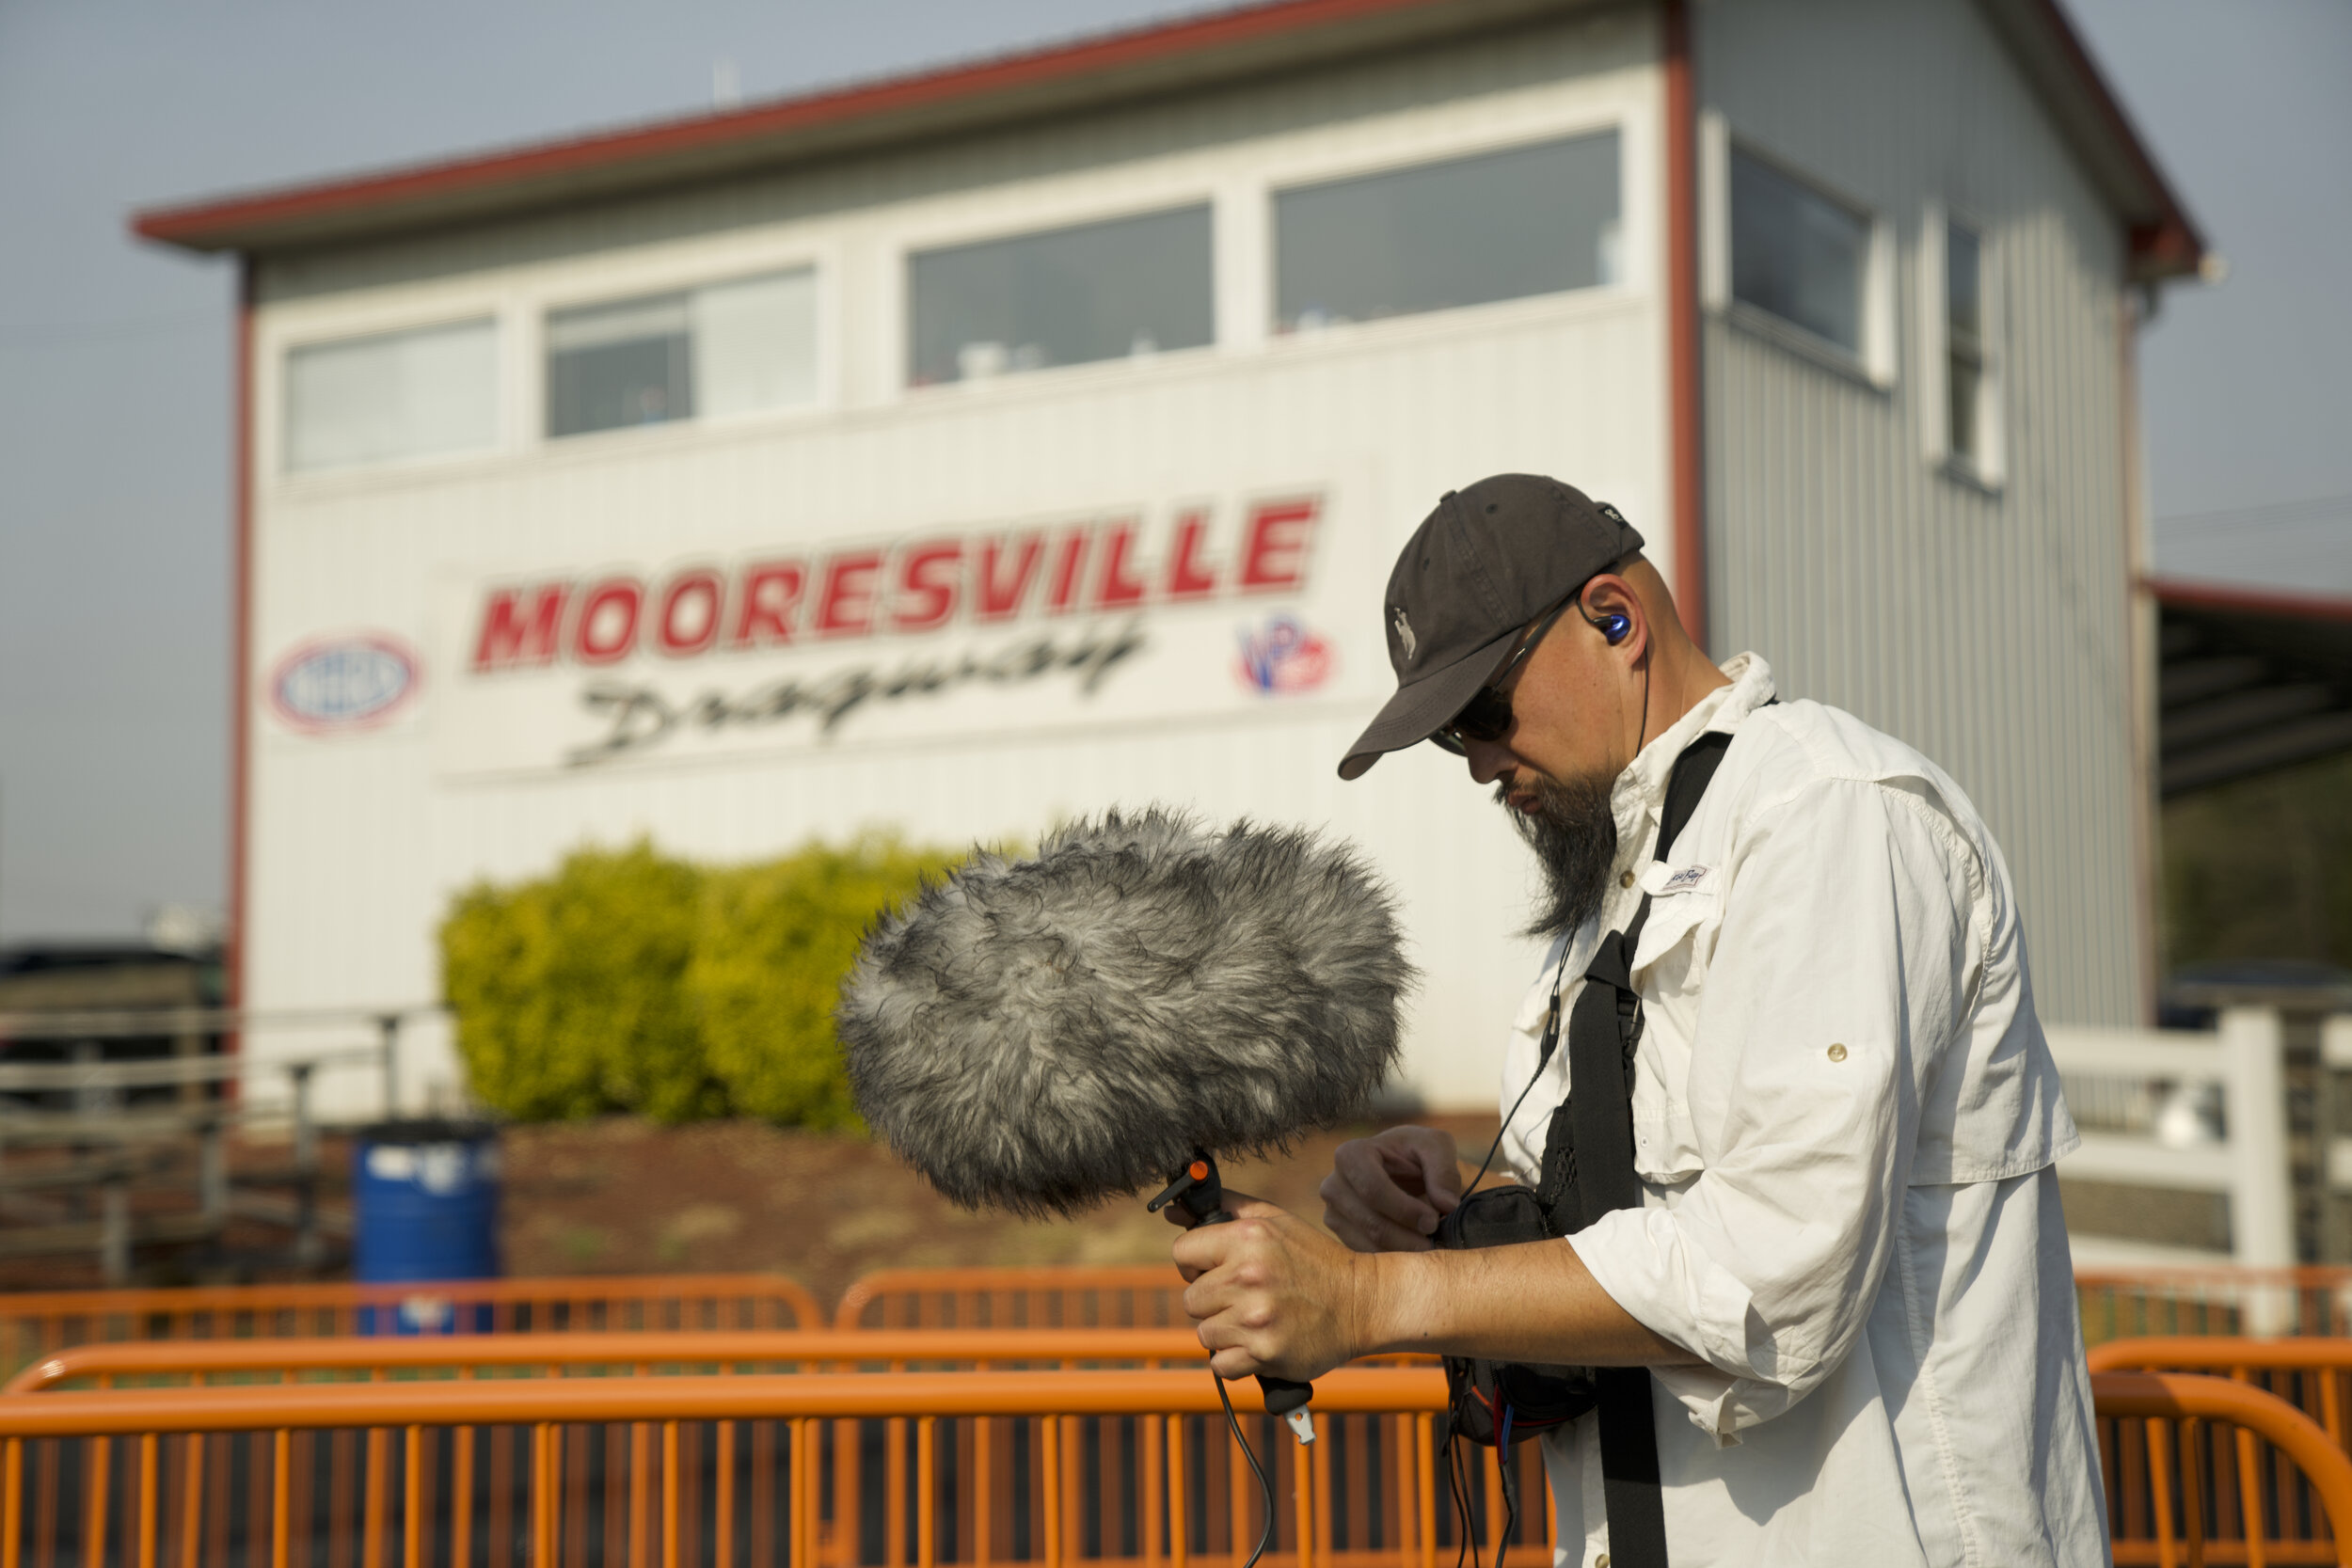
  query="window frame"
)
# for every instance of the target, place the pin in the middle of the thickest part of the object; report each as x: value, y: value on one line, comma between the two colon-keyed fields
x: 972, y: 221
x: 1634, y: 258
x: 273, y: 394
x: 895, y: 290
x: 1876, y: 363
x: 1240, y: 201
x: 1986, y: 468
x: 634, y: 283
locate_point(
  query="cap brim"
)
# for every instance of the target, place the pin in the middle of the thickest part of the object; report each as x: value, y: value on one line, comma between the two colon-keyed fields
x: 1421, y: 706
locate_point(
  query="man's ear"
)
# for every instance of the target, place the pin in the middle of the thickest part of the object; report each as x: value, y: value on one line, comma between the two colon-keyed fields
x: 1610, y: 605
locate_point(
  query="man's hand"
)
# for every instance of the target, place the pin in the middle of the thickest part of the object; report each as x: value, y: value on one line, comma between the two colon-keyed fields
x: 1386, y: 1193
x: 1269, y: 1293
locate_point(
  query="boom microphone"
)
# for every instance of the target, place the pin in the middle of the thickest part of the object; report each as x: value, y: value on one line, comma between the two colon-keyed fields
x: 1111, y: 1014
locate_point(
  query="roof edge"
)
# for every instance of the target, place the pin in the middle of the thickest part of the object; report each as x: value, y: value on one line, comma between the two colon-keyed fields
x: 2164, y: 241
x: 2252, y: 599
x: 1061, y: 77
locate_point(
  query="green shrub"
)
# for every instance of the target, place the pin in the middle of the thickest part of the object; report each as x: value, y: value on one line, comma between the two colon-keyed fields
x: 775, y: 943
x: 566, y: 989
x: 629, y: 981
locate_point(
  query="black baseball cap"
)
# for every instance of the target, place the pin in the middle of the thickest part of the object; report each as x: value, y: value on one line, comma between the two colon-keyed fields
x: 1485, y: 563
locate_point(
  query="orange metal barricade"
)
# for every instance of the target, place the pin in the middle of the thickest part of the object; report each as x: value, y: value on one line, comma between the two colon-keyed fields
x: 34, y: 1323
x: 1030, y: 1467
x: 1141, y: 1295
x: 2312, y: 1373
x: 2117, y: 1303
x: 1001, y: 1467
x: 2276, y: 1490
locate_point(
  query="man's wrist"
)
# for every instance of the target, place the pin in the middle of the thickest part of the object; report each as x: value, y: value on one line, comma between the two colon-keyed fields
x: 1394, y: 1293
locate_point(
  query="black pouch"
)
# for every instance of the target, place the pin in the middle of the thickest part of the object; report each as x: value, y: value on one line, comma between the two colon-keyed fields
x: 1488, y: 1400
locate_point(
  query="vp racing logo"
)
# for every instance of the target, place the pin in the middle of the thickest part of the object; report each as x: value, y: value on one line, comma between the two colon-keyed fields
x: 1280, y: 656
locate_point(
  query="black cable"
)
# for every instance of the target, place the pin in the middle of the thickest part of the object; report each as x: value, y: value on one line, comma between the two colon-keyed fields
x: 1514, y: 1111
x: 1458, y: 1491
x: 1265, y: 1483
x: 1510, y: 1503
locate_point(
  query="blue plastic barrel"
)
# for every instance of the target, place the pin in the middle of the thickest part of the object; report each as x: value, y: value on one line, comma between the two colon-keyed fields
x: 424, y: 1201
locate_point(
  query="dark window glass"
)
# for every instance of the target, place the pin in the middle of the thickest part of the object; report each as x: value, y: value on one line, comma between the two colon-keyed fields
x: 627, y: 363
x: 1533, y: 220
x: 1796, y: 253
x: 1963, y: 329
x: 1066, y: 296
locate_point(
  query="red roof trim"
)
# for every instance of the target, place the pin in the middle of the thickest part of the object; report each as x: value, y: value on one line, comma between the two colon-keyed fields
x: 2169, y: 246
x: 197, y: 225
x: 2254, y: 601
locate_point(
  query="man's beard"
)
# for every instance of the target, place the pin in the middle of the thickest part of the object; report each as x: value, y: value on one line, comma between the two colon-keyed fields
x: 1574, y: 836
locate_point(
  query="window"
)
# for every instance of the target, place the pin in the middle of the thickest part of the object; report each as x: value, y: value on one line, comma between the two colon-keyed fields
x: 1960, y: 306
x: 1963, y: 345
x: 731, y: 348
x: 1066, y: 296
x: 395, y: 395
x: 1798, y: 254
x: 1533, y: 220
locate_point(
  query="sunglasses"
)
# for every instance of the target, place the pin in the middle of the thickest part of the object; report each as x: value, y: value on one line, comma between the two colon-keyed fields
x: 1486, y: 716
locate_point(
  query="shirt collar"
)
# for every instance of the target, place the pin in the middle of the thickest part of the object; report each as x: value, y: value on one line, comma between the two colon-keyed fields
x: 1638, y: 797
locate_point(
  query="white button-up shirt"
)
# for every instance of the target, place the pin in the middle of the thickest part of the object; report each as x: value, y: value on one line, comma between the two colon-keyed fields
x: 1845, y: 1120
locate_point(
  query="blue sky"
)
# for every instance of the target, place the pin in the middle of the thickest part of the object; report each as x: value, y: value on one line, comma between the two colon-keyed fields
x: 115, y: 356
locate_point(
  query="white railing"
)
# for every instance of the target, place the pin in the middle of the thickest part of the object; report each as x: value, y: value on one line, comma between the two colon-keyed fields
x: 2171, y: 1081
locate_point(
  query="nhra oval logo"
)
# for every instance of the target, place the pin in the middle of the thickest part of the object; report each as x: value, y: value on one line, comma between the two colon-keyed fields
x: 1282, y: 657
x: 346, y: 683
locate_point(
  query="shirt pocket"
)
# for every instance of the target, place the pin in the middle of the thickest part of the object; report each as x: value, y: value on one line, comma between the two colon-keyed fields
x: 1666, y: 1144
x: 1679, y: 937
x: 1670, y: 969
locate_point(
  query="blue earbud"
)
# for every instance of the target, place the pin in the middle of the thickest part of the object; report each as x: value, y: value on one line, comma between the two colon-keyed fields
x: 1613, y: 626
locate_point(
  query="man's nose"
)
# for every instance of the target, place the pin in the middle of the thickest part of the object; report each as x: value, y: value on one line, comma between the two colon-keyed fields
x: 1488, y: 761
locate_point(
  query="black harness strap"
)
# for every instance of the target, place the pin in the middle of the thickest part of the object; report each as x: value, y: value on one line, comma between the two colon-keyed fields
x: 1588, y: 1171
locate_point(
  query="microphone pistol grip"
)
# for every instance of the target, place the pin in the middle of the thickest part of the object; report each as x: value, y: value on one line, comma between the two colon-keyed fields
x: 1284, y: 1397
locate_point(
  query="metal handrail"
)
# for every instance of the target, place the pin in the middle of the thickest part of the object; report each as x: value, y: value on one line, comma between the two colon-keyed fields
x: 765, y: 1347
x: 36, y: 1323
x: 909, y: 1287
x: 190, y: 1300
x: 820, y: 1396
x: 169, y: 1071
x: 91, y: 1023
x: 2222, y: 1353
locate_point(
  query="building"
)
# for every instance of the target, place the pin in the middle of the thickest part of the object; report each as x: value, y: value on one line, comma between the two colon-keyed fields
x: 959, y: 451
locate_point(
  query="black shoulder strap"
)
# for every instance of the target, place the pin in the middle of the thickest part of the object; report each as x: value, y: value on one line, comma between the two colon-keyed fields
x: 1589, y: 1171
x: 1610, y: 964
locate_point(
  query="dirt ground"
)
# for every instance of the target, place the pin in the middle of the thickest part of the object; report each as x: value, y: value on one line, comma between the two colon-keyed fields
x: 624, y: 1197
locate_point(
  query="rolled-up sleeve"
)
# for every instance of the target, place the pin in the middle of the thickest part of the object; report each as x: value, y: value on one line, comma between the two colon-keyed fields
x: 1828, y: 1000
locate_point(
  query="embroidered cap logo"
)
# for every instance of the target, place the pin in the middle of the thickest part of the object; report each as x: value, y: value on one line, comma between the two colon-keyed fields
x: 1405, y: 634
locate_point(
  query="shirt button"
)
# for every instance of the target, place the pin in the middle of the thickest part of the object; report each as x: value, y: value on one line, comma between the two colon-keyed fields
x: 1601, y: 1562
x: 1836, y: 1053
x: 1625, y: 881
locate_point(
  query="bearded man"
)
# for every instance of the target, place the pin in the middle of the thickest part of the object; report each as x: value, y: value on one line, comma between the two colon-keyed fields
x: 1784, y: 1119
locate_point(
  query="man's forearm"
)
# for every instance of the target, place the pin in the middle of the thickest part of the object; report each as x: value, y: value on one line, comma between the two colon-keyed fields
x: 1534, y: 1302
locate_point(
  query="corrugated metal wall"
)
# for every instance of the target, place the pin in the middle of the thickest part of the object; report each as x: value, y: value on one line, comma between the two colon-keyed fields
x: 1988, y: 628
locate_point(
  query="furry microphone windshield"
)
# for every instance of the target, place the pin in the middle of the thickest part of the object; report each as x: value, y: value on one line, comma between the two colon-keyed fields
x: 1042, y: 1033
